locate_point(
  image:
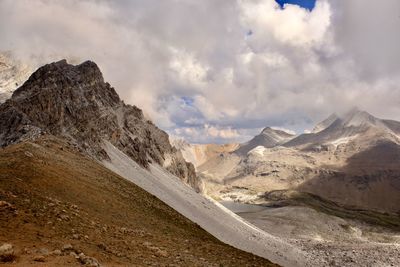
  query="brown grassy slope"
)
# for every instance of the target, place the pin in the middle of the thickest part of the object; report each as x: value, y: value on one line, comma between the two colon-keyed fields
x: 62, y: 197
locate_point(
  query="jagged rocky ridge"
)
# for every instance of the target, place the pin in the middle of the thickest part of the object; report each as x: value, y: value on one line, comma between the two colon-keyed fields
x: 74, y: 103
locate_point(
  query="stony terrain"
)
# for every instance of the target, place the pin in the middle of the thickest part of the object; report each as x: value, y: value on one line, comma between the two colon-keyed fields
x: 61, y: 208
x: 330, y: 240
x: 74, y: 102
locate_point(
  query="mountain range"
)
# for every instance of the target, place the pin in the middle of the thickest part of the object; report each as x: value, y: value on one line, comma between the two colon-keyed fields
x: 355, y: 124
x: 351, y: 159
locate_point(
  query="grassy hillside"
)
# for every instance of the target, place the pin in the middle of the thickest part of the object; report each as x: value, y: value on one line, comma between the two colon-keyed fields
x: 52, y: 197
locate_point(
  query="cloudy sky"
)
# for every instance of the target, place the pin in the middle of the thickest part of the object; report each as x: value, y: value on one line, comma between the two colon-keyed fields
x: 220, y: 70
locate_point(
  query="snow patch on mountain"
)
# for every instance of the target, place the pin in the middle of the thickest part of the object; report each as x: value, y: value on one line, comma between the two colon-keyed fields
x: 342, y: 140
x: 257, y: 151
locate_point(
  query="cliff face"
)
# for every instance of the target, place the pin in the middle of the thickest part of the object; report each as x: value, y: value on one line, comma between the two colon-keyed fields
x: 74, y: 103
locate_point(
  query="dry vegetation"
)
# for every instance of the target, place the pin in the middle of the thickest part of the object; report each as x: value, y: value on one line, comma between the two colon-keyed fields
x: 56, y: 204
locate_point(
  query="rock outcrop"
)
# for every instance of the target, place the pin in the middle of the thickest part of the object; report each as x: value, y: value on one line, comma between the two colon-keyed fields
x: 74, y: 103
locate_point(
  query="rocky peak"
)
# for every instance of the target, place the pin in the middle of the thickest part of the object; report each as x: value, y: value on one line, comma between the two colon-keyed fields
x: 276, y: 133
x: 74, y: 103
x: 61, y: 77
x: 325, y: 123
x: 267, y: 130
x: 268, y: 138
x: 356, y: 118
x: 354, y: 124
x: 352, y: 118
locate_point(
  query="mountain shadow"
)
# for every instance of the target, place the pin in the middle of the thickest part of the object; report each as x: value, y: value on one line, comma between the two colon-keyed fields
x: 369, y: 180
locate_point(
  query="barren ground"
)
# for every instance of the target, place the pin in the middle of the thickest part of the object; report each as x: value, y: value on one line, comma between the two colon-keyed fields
x: 52, y: 197
x: 329, y: 240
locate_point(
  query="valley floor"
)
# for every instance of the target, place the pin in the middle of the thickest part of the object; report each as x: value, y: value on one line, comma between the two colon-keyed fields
x: 329, y: 240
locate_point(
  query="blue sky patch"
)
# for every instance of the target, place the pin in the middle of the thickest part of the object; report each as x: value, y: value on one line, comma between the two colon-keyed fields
x: 187, y: 100
x: 307, y: 4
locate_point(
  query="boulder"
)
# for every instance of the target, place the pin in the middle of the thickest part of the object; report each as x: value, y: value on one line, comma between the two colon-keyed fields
x: 7, y: 253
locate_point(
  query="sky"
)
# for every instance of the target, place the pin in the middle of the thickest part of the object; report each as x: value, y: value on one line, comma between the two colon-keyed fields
x: 220, y: 71
x: 308, y: 4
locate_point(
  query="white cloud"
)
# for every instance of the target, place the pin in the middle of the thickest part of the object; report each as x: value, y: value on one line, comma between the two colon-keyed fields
x: 225, y: 133
x: 219, y: 134
x: 188, y: 68
x: 196, y: 70
x: 293, y: 25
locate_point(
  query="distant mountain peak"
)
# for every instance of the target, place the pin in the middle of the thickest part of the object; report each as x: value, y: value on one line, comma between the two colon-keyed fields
x: 269, y: 137
x: 357, y: 117
x: 325, y: 123
x: 355, y: 123
x: 267, y: 129
x: 277, y: 132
